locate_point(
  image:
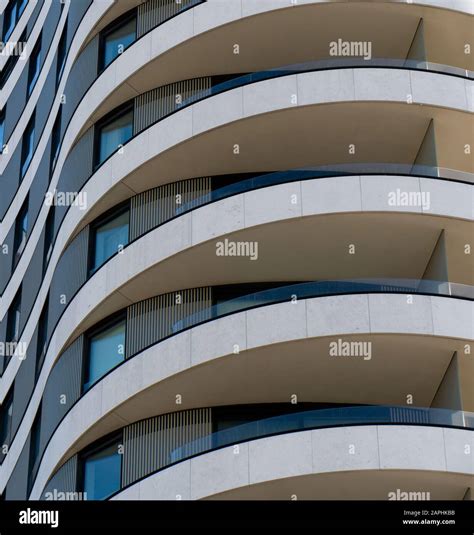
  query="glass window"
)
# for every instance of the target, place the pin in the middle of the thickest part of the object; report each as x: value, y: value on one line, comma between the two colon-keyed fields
x: 21, y: 232
x: 114, y: 132
x: 34, y: 66
x: 13, y: 12
x: 6, y: 412
x: 61, y: 54
x: 21, y: 6
x: 10, y: 19
x: 10, y: 64
x: 55, y: 140
x: 13, y: 321
x: 35, y: 443
x: 108, y: 237
x: 2, y: 129
x: 42, y: 337
x: 48, y: 237
x: 106, y: 349
x: 102, y: 472
x: 27, y: 146
x: 116, y: 39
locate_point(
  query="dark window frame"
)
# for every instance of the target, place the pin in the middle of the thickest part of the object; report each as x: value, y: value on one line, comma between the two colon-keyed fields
x: 41, y: 346
x: 10, y: 64
x: 112, y: 27
x: 105, y: 121
x: 116, y: 437
x: 6, y: 438
x: 2, y: 127
x: 17, y: 7
x: 21, y: 235
x: 48, y: 237
x: 34, y: 66
x: 28, y: 134
x: 13, y: 311
x: 35, y: 439
x: 55, y: 142
x: 61, y: 54
x: 116, y: 318
x: 107, y: 217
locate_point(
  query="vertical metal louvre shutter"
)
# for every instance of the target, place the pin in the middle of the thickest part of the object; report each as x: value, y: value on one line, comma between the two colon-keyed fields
x: 157, y: 103
x: 152, y: 320
x: 148, y: 444
x: 156, y: 206
x: 154, y: 12
x: 64, y: 480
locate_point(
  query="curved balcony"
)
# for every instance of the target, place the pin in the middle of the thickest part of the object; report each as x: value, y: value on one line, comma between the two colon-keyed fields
x: 167, y: 445
x: 154, y: 208
x: 151, y: 108
x: 152, y: 322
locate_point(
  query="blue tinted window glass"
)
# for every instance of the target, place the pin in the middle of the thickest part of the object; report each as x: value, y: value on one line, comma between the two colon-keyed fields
x: 106, y: 350
x: 9, y: 24
x: 109, y: 237
x: 27, y: 147
x: 114, y: 134
x: 2, y: 130
x: 21, y: 7
x: 117, y: 41
x: 102, y: 473
x: 34, y: 69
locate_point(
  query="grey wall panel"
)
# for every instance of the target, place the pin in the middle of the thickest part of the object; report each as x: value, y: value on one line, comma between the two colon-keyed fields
x: 62, y: 390
x: 45, y: 102
x: 32, y: 282
x: 83, y: 73
x: 6, y: 259
x: 39, y: 187
x: 77, y: 10
x: 16, y: 103
x: 149, y: 444
x: 24, y: 384
x: 17, y: 484
x: 76, y: 170
x: 153, y: 319
x: 49, y: 27
x: 69, y: 275
x: 64, y: 480
x: 34, y: 16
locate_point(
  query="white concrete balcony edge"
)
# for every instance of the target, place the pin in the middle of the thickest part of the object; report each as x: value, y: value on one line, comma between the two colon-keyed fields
x: 315, y: 88
x: 355, y: 194
x: 90, y: 19
x: 200, y: 226
x: 264, y: 326
x: 32, y: 38
x: 320, y: 451
x: 21, y: 25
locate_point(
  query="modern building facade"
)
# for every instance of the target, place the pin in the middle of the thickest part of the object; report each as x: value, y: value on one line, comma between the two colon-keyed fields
x: 236, y: 250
